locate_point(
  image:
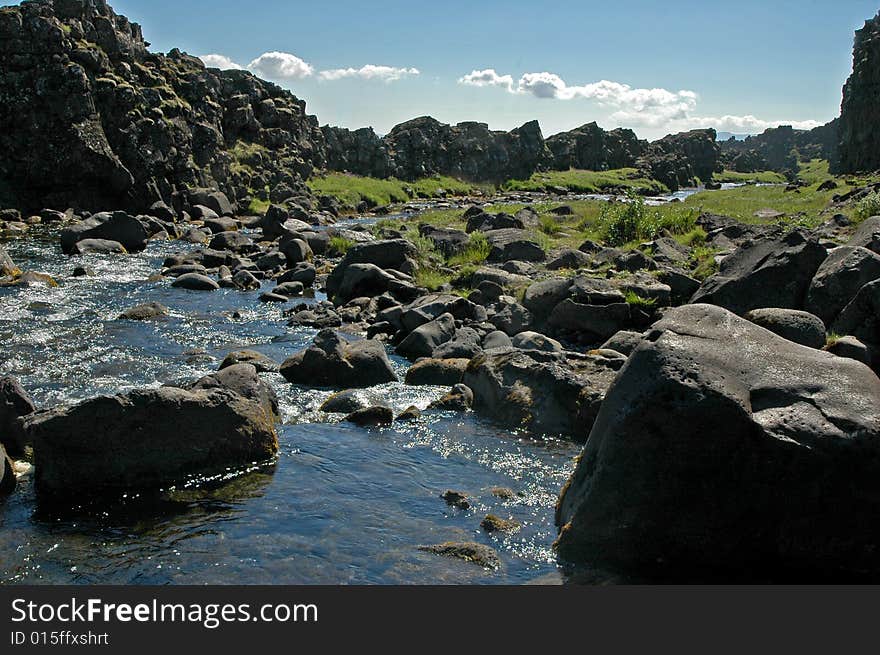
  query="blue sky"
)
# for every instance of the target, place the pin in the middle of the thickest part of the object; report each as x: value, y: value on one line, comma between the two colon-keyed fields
x: 657, y: 67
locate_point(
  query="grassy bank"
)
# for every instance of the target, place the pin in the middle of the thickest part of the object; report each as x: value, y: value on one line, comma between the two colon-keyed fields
x: 762, y: 177
x: 578, y: 181
x: 351, y: 190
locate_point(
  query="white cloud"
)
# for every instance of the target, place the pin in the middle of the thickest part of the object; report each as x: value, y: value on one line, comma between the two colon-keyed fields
x: 633, y: 107
x: 746, y: 124
x: 281, y: 66
x: 369, y: 72
x: 219, y: 61
x: 487, y: 77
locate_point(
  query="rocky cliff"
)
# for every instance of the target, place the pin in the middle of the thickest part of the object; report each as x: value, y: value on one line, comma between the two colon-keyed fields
x: 90, y: 117
x: 859, y: 148
x: 591, y: 148
x: 678, y: 160
x: 424, y: 146
x: 780, y: 149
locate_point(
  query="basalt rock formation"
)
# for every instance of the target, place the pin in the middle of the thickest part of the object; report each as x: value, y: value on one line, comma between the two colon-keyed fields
x: 90, y: 117
x: 424, y: 146
x: 589, y: 147
x: 678, y: 159
x: 860, y: 110
x: 780, y: 149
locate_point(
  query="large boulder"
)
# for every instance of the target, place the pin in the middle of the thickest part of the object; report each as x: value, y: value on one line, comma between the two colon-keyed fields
x: 792, y: 324
x: 146, y: 438
x: 422, y: 341
x: 839, y: 279
x: 514, y: 245
x: 723, y: 447
x: 116, y: 226
x: 767, y: 272
x: 14, y: 403
x: 7, y: 474
x: 543, y: 392
x: 861, y: 319
x: 867, y: 235
x: 332, y: 361
x: 243, y: 379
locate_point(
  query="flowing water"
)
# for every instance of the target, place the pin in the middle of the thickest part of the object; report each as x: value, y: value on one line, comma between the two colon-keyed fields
x: 341, y: 504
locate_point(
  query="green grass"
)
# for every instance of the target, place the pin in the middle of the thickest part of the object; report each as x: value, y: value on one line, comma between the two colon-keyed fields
x: 350, y: 190
x: 703, y: 262
x: 477, y: 251
x: 258, y: 207
x: 549, y: 225
x: 589, y: 181
x: 742, y: 203
x: 695, y: 237
x: 430, y: 278
x: 764, y: 177
x: 338, y: 246
x: 634, y: 299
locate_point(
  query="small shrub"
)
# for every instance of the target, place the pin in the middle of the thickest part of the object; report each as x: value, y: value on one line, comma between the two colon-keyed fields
x: 868, y: 206
x: 622, y: 223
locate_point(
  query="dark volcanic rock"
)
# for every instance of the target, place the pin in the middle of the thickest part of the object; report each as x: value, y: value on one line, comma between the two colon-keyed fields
x: 540, y: 391
x: 859, y: 148
x: 82, y: 96
x: 768, y: 272
x: 332, y: 361
x: 724, y: 447
x: 423, y: 147
x: 14, y: 403
x: 839, y: 279
x: 591, y: 148
x: 792, y: 324
x: 677, y: 159
x: 146, y: 439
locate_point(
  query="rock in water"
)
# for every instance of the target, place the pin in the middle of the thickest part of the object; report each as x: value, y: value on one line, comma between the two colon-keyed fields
x: 7, y: 475
x: 723, y: 447
x: 333, y: 361
x: 541, y: 391
x: 14, y: 403
x: 147, y: 439
x: 144, y: 312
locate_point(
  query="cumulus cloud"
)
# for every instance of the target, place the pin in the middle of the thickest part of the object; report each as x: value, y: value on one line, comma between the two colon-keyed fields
x: 369, y: 72
x: 487, y: 77
x: 281, y: 66
x: 747, y: 124
x: 633, y: 107
x: 219, y: 61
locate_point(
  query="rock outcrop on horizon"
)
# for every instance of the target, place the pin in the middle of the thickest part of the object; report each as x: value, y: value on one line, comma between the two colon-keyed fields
x: 91, y: 118
x: 859, y: 148
x: 424, y: 146
x: 677, y: 160
x: 780, y: 149
x: 589, y: 147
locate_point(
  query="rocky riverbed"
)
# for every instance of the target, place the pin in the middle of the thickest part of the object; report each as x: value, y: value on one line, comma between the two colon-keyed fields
x: 228, y: 398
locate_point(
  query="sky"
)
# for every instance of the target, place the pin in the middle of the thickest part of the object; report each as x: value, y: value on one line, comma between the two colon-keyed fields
x: 655, y: 67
